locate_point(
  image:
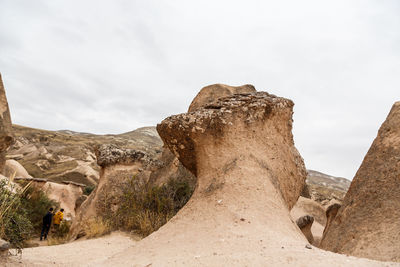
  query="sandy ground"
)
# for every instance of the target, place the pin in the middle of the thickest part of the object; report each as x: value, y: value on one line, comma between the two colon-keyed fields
x: 79, y: 253
x: 115, y: 250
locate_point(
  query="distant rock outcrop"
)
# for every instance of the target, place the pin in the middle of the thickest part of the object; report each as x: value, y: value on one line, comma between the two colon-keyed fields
x: 305, y: 206
x: 6, y: 136
x: 212, y: 93
x: 121, y: 168
x: 249, y: 175
x: 367, y: 224
x: 69, y: 156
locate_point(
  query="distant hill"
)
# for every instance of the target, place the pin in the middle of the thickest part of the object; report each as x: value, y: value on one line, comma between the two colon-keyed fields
x: 69, y: 156
x: 326, y: 187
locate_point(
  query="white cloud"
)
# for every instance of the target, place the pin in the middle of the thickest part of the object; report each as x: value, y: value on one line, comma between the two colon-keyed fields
x: 112, y: 66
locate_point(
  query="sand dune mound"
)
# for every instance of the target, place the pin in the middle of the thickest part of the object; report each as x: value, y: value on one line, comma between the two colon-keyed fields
x: 368, y: 224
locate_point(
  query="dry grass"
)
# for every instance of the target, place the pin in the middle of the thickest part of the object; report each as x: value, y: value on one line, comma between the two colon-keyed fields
x: 96, y: 227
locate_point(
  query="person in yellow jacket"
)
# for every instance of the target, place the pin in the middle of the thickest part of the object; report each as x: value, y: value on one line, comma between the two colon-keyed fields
x: 57, y: 219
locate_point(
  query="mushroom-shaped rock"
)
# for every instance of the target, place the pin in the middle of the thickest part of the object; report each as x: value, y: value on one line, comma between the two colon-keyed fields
x: 6, y: 136
x: 305, y: 206
x: 304, y: 223
x: 214, y: 143
x: 331, y: 213
x: 212, y: 93
x: 109, y: 154
x: 249, y: 174
x: 368, y: 223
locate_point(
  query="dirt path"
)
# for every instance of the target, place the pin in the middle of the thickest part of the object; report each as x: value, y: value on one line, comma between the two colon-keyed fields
x: 78, y: 253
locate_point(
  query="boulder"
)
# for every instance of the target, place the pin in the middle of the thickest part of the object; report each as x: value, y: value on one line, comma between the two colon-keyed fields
x: 249, y: 174
x: 212, y: 93
x: 367, y: 225
x: 13, y: 166
x: 6, y: 137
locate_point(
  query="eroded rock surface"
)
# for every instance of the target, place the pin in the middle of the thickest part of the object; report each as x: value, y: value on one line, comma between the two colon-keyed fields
x: 331, y: 213
x: 212, y: 93
x: 236, y: 129
x: 304, y: 207
x: 367, y: 224
x: 304, y: 223
x: 249, y: 175
x: 122, y: 168
x: 6, y: 136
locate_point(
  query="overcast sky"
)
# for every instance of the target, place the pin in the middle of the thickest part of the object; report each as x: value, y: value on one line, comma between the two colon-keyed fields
x: 113, y: 66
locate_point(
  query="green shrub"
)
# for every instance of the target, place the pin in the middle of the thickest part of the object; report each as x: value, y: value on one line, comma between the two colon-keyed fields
x: 21, y: 212
x: 88, y: 189
x: 36, y: 203
x: 15, y: 226
x: 145, y: 209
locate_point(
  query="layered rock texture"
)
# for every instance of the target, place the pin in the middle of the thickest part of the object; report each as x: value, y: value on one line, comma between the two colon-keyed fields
x: 367, y: 224
x: 249, y: 176
x: 211, y: 93
x: 6, y: 136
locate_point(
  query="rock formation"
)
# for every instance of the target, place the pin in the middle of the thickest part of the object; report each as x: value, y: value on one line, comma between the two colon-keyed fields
x: 5, y: 126
x: 304, y: 207
x: 69, y: 156
x: 331, y: 213
x: 249, y: 176
x: 304, y: 223
x: 14, y: 167
x: 121, y: 168
x: 367, y: 224
x: 211, y: 93
x: 66, y: 194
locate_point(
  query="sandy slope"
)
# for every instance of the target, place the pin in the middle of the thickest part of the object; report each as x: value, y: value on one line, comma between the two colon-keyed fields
x: 116, y: 249
x: 79, y: 253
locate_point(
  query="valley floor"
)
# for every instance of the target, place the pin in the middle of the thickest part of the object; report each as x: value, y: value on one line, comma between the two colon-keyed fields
x: 79, y: 253
x: 108, y: 249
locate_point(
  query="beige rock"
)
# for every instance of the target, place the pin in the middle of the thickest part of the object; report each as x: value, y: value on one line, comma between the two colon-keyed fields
x: 249, y: 175
x: 13, y: 166
x: 304, y: 223
x: 6, y: 137
x: 331, y: 213
x: 305, y: 206
x: 121, y: 168
x: 367, y: 224
x: 211, y: 93
x: 65, y: 194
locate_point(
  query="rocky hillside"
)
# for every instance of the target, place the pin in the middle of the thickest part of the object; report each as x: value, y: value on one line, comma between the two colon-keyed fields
x: 323, y: 187
x: 70, y: 156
